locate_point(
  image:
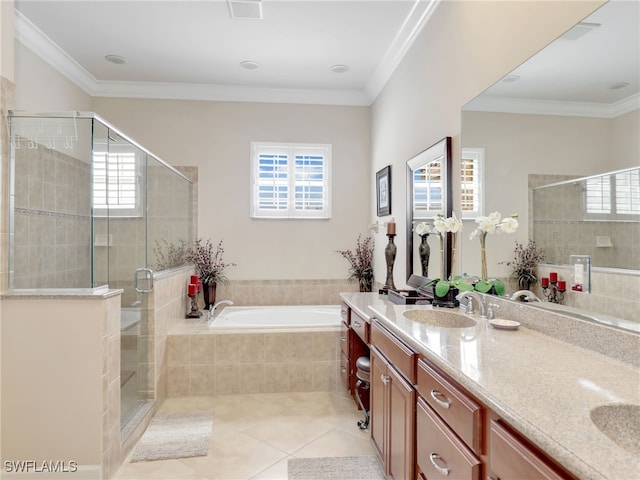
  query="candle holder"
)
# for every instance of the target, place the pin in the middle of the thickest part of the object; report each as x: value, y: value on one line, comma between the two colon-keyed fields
x: 554, y: 290
x: 192, y: 293
x: 390, y: 256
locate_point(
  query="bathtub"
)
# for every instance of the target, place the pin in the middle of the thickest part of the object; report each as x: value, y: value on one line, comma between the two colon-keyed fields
x: 284, y: 318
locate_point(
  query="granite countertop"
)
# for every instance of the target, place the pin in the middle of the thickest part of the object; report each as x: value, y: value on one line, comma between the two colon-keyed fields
x: 543, y: 386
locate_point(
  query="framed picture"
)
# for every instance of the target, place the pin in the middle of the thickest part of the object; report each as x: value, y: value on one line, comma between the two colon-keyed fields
x: 383, y: 191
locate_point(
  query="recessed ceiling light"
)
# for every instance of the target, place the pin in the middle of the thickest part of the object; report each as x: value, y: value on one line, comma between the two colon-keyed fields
x: 618, y: 85
x: 249, y: 65
x: 117, y: 59
x: 340, y: 68
x: 511, y: 78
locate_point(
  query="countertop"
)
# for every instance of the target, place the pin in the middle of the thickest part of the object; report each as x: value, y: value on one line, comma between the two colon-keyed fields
x: 543, y: 386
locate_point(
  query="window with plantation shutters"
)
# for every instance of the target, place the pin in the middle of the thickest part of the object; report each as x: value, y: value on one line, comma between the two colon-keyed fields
x: 427, y: 190
x: 115, y: 184
x: 614, y: 196
x: 290, y: 180
x: 471, y: 195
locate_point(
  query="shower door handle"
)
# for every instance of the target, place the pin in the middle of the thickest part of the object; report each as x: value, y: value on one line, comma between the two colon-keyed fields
x: 146, y: 274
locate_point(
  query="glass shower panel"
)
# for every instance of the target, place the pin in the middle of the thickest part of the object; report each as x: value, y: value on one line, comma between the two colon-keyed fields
x: 51, y: 212
x: 119, y: 192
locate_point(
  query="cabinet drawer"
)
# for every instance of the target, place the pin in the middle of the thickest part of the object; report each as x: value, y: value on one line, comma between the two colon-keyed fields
x: 398, y: 354
x: 344, y: 312
x: 509, y: 457
x: 344, y: 371
x: 344, y: 339
x: 360, y: 326
x: 439, y: 453
x: 460, y: 412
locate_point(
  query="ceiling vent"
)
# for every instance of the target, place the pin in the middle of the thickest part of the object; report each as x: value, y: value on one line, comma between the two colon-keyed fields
x: 579, y: 30
x: 245, y: 9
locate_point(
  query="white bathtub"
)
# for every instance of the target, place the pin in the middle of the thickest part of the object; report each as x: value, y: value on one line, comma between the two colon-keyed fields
x: 286, y: 318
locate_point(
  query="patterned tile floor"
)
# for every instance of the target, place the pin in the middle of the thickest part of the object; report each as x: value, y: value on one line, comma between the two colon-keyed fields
x: 255, y: 434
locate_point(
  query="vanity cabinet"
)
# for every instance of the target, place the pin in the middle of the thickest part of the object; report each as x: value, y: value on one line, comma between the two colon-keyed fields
x: 353, y: 332
x: 449, y: 424
x: 512, y: 457
x: 393, y: 400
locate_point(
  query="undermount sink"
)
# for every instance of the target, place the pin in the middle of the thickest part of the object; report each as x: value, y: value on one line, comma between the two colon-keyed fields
x: 440, y: 318
x: 621, y: 423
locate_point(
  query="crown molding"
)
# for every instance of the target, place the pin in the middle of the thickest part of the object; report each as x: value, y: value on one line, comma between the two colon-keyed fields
x: 486, y: 103
x: 35, y: 40
x: 418, y: 17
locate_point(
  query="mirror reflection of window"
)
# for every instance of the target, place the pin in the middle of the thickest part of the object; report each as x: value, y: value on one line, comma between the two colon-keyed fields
x: 471, y: 194
x: 427, y: 190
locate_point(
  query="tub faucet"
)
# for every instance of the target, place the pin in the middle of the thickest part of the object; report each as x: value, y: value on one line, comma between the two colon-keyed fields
x: 479, y: 300
x: 528, y: 295
x: 212, y: 309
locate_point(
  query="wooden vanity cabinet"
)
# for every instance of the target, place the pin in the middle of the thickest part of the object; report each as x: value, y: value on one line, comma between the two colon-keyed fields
x: 353, y: 331
x: 393, y: 400
x: 511, y: 456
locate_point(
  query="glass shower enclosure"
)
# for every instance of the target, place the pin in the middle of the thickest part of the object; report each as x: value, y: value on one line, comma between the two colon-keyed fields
x: 90, y: 208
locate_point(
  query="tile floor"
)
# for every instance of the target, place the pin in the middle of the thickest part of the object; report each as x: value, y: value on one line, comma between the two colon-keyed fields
x: 255, y: 434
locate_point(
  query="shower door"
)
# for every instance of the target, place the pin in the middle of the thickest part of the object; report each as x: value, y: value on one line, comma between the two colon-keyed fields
x: 120, y: 240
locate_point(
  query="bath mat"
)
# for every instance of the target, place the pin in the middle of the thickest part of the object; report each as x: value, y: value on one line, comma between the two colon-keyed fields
x: 344, y: 468
x: 175, y: 435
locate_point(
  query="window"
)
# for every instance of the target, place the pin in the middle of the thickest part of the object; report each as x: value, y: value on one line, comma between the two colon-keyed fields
x: 616, y: 195
x: 471, y: 171
x: 115, y: 184
x: 290, y: 180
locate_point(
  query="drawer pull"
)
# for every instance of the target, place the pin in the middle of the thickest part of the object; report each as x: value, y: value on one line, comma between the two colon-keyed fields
x: 385, y: 379
x: 343, y: 369
x: 343, y: 339
x: 343, y: 313
x: 435, y: 394
x: 357, y: 324
x: 434, y: 457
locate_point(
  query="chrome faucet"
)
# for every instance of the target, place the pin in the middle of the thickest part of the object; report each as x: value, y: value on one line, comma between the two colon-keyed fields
x: 528, y: 295
x: 212, y: 309
x: 471, y: 295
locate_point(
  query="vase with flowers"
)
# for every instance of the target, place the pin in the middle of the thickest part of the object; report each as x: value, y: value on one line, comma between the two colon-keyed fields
x: 210, y: 266
x: 524, y: 263
x: 423, y: 230
x: 361, y: 263
x: 493, y: 223
x: 446, y: 289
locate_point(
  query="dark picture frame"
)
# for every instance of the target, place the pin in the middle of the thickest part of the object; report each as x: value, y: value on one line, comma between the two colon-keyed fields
x: 383, y: 191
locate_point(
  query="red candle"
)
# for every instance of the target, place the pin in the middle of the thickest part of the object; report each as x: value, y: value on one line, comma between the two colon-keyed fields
x: 544, y: 281
x: 194, y: 279
x: 199, y: 285
x: 562, y: 285
x: 553, y: 277
x: 193, y: 289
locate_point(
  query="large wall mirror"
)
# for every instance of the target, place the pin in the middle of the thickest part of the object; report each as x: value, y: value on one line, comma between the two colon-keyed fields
x: 571, y: 111
x: 429, y: 194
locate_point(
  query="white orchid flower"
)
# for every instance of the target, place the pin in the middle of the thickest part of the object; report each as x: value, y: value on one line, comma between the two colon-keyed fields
x: 423, y: 228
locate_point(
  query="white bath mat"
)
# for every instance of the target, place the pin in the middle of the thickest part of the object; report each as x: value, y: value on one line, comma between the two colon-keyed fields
x: 175, y: 435
x: 344, y: 468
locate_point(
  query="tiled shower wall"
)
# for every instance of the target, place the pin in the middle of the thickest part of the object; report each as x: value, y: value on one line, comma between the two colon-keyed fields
x: 560, y: 229
x: 52, y: 227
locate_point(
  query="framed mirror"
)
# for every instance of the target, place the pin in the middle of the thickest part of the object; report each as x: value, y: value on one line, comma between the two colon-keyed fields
x: 429, y: 194
x: 572, y: 110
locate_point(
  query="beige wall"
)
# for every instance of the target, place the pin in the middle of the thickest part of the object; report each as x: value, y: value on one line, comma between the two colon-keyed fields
x: 40, y: 88
x: 215, y: 137
x: 467, y: 46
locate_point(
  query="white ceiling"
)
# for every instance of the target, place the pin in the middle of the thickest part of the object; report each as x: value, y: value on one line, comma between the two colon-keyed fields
x: 193, y: 50
x: 574, y: 76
